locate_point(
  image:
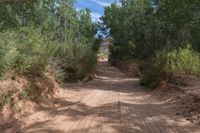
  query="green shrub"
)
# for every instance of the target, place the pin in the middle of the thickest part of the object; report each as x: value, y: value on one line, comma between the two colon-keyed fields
x: 24, y: 94
x: 183, y: 61
x: 168, y: 63
x: 35, y: 53
x: 8, y: 97
x: 25, y: 51
x: 49, y: 34
x: 152, y: 73
x: 75, y: 62
x: 12, y: 96
x: 126, y: 51
x: 8, y: 52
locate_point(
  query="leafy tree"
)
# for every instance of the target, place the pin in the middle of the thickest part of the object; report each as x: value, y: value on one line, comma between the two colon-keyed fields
x: 142, y: 28
x: 50, y: 31
x: 152, y: 25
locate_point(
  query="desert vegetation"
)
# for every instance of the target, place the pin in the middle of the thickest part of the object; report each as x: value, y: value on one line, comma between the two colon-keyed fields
x: 38, y: 34
x: 162, y: 35
x: 45, y: 36
x: 50, y: 50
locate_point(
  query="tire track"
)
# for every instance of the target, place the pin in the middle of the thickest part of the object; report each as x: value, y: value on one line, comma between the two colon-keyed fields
x: 112, y: 103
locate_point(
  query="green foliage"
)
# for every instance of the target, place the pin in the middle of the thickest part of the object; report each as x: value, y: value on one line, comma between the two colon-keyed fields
x: 7, y: 56
x: 12, y: 96
x: 7, y: 98
x: 153, y: 26
x: 168, y: 63
x: 24, y: 51
x: 96, y: 45
x: 46, y: 33
x: 130, y: 26
x: 75, y: 62
x: 122, y: 52
x: 103, y: 52
x: 24, y: 94
x: 183, y: 61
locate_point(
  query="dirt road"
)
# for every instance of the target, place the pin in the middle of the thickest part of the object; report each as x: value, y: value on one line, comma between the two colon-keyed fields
x: 112, y: 103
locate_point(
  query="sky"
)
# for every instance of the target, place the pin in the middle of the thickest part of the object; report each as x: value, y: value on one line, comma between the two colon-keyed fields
x: 96, y: 7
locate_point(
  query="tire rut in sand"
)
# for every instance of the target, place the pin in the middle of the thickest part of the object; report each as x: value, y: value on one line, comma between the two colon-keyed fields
x: 112, y: 103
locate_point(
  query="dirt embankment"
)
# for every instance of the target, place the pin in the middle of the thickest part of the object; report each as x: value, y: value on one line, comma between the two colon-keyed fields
x: 111, y: 103
x: 21, y: 96
x: 183, y: 94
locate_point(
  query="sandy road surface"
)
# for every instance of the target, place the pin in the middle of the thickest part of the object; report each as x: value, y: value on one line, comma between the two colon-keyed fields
x: 112, y: 103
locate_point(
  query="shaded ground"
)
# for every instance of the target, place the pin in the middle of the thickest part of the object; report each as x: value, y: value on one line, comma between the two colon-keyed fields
x: 112, y: 103
x: 182, y: 93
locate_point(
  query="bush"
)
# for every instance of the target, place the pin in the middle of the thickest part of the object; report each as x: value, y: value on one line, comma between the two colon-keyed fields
x: 7, y: 57
x: 61, y: 37
x: 24, y: 51
x: 75, y: 62
x: 12, y: 96
x: 8, y: 52
x: 122, y: 52
x: 152, y: 73
x: 184, y: 61
x: 168, y: 63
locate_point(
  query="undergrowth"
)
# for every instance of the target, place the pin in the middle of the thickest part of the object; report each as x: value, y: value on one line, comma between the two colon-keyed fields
x: 24, y: 52
x: 11, y: 97
x: 165, y: 64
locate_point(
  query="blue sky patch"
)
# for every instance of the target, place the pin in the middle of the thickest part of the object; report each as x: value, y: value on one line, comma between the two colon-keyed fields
x: 96, y: 7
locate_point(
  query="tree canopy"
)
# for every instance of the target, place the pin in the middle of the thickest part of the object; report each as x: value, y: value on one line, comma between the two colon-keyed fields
x: 48, y: 26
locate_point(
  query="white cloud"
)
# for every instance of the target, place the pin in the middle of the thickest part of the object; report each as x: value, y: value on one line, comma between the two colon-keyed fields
x: 95, y: 16
x: 78, y: 9
x: 101, y: 3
